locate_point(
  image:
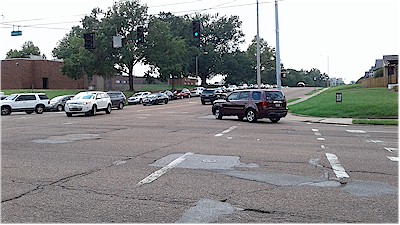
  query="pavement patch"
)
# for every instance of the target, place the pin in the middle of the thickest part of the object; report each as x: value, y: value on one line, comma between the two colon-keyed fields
x: 67, y: 138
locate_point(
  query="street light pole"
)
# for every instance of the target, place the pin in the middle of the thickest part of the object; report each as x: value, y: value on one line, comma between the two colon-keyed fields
x: 278, y: 56
x: 197, y: 62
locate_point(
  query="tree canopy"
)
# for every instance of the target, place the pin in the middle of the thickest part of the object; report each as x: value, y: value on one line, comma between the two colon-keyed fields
x: 28, y: 48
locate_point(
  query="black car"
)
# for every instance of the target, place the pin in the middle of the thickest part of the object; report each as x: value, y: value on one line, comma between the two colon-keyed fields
x: 118, y: 99
x: 210, y: 95
x: 155, y: 99
x: 170, y: 95
x: 252, y: 104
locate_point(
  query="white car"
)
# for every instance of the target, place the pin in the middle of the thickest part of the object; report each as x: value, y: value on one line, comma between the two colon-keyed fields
x: 196, y: 91
x: 231, y: 88
x: 137, y: 98
x: 89, y: 103
x: 25, y: 102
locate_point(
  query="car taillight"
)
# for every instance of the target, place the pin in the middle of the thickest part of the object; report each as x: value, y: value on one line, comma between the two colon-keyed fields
x: 264, y: 105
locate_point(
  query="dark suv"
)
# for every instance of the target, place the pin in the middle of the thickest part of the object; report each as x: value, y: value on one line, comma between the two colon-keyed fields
x: 253, y: 104
x: 210, y: 95
x: 117, y: 99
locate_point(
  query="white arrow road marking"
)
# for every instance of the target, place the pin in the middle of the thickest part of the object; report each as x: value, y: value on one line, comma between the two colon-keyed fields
x: 154, y: 176
x: 395, y: 159
x: 337, y: 168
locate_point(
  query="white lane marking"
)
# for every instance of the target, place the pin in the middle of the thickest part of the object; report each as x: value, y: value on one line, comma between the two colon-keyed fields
x: 226, y: 131
x: 375, y: 141
x: 391, y: 149
x: 154, y: 176
x: 323, y: 147
x: 321, y: 139
x: 336, y: 167
x: 314, y: 130
x: 394, y: 159
x: 356, y: 131
x: 317, y: 134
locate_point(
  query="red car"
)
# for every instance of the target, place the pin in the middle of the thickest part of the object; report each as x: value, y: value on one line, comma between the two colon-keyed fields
x: 184, y: 93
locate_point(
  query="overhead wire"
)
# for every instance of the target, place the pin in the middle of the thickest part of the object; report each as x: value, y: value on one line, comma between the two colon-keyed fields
x: 10, y: 24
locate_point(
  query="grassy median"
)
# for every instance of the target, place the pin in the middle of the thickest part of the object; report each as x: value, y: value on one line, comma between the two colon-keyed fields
x: 364, y: 105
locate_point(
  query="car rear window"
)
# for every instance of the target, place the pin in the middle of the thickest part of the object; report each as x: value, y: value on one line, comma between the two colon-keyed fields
x: 274, y: 95
x: 42, y: 97
x: 208, y: 91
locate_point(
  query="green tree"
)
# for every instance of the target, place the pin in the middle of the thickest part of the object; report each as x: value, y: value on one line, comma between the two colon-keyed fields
x: 165, y: 51
x: 28, y: 48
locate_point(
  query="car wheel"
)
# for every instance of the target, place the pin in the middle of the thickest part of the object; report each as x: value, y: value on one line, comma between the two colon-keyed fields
x: 251, y: 116
x: 108, y: 109
x: 60, y: 108
x: 29, y: 112
x: 121, y: 105
x: 218, y: 113
x: 140, y: 101
x: 69, y: 114
x: 93, y: 111
x: 5, y: 110
x: 166, y: 101
x: 203, y: 103
x: 274, y: 119
x: 39, y: 109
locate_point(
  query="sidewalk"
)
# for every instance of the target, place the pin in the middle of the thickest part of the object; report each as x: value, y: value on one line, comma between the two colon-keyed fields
x: 341, y: 121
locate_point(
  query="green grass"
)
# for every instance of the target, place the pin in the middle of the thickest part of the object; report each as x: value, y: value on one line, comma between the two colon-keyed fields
x: 292, y: 100
x: 377, y: 122
x: 357, y: 102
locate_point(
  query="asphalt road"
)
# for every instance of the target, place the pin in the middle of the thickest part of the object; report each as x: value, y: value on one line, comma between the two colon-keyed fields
x: 177, y: 163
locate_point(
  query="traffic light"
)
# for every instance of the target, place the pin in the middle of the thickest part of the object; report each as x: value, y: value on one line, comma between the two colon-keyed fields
x: 140, y: 34
x: 196, y: 28
x: 89, y: 40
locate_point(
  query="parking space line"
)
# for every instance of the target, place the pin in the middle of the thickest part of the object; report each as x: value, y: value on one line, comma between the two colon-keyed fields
x: 154, y: 176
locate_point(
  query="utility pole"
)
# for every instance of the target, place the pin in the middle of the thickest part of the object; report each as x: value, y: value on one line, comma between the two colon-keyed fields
x: 278, y: 56
x: 258, y: 51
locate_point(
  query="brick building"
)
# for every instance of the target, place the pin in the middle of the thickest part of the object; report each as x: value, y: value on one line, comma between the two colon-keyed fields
x: 39, y: 73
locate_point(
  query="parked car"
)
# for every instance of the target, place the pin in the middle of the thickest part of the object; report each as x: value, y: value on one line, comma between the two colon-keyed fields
x: 137, y: 98
x: 210, y: 95
x: 3, y: 97
x: 196, y: 91
x: 155, y: 99
x: 88, y: 103
x: 25, y: 102
x: 231, y: 88
x: 118, y: 99
x: 58, y: 103
x: 184, y: 93
x: 252, y: 104
x: 170, y: 95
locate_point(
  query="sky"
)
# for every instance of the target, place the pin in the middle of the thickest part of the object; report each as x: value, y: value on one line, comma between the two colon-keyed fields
x: 342, y: 38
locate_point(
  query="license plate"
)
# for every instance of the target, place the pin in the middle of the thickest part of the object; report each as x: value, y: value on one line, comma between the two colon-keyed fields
x: 278, y: 105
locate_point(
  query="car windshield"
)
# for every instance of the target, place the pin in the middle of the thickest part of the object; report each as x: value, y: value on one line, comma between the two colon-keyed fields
x: 113, y: 95
x: 137, y: 95
x: 84, y: 96
x: 275, y: 95
x: 58, y: 98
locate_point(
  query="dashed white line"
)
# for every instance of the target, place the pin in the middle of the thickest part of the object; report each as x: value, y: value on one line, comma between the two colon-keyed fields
x: 391, y: 149
x: 395, y: 159
x: 356, y: 131
x: 321, y: 139
x: 154, y: 176
x: 226, y: 131
x: 336, y: 167
x: 314, y: 130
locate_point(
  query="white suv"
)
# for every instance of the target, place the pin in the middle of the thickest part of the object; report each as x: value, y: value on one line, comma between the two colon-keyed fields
x: 25, y: 102
x: 88, y: 103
